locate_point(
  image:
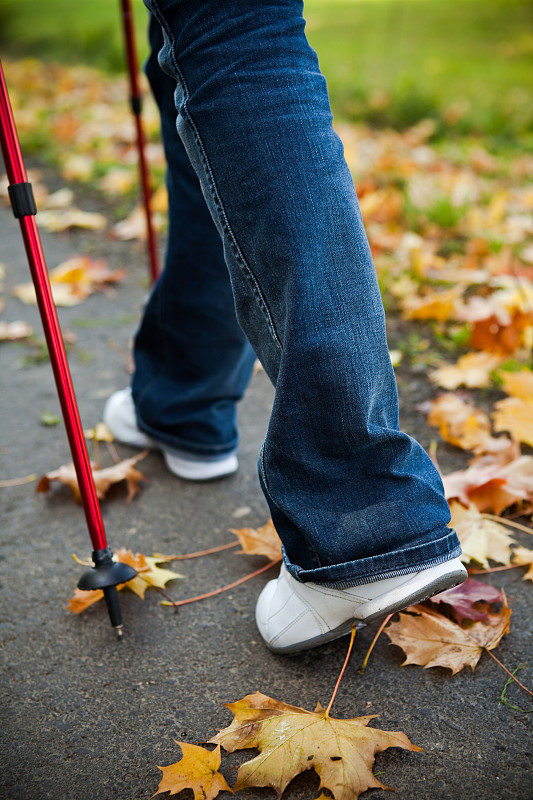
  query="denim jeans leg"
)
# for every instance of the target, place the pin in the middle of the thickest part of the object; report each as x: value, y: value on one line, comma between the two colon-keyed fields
x: 353, y: 498
x: 192, y: 360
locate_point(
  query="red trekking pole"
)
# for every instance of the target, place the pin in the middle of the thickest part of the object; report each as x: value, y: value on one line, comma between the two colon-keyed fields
x: 106, y: 573
x: 136, y: 107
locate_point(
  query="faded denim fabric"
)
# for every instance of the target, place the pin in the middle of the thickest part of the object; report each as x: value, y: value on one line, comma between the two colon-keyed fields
x: 353, y: 498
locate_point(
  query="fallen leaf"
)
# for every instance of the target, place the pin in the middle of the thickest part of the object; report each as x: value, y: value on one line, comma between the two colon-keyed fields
x: 523, y: 557
x: 55, y: 220
x: 518, y: 384
x: 73, y: 281
x: 292, y: 740
x: 492, y: 483
x: 100, y: 433
x: 148, y: 574
x: 438, y: 305
x: 197, y: 770
x: 260, y: 541
x: 103, y: 478
x: 491, y: 336
x: 472, y: 370
x: 515, y: 415
x: 464, y: 426
x: 12, y: 331
x: 432, y: 640
x: 480, y: 538
x: 470, y: 599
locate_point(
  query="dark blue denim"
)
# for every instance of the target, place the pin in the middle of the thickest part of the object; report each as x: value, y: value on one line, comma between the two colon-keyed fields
x: 353, y: 498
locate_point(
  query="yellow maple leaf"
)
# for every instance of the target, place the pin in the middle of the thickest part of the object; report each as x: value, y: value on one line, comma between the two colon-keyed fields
x: 197, y: 770
x: 480, y: 538
x: 515, y: 415
x: 432, y: 640
x: 518, y: 384
x: 292, y: 740
x: 523, y: 557
x: 260, y: 541
x: 148, y: 574
x: 438, y: 305
x: 73, y: 281
x: 472, y: 370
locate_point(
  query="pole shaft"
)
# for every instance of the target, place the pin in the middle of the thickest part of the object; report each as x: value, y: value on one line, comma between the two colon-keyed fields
x: 16, y: 173
x: 133, y: 72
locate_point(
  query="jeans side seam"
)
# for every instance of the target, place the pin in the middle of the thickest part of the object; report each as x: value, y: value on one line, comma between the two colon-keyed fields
x: 239, y: 256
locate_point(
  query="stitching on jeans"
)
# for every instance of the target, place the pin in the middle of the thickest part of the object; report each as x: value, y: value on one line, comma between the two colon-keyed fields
x: 237, y: 252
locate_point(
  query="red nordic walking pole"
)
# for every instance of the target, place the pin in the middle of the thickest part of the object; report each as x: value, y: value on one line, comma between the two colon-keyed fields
x: 106, y: 573
x: 136, y: 107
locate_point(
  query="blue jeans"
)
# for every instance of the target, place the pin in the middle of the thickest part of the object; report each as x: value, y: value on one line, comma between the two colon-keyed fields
x: 352, y: 497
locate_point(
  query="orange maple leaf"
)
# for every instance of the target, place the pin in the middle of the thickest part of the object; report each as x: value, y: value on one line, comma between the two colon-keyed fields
x: 197, y: 770
x: 464, y: 426
x: 292, y: 740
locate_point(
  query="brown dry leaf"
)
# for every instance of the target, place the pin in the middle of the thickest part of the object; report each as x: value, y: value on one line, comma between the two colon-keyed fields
x: 260, y: 541
x: 480, y: 538
x: 12, y: 331
x: 197, y: 770
x: 73, y: 281
x: 148, y: 574
x: 515, y: 415
x: 472, y: 370
x: 431, y: 640
x: 103, y: 478
x: 464, y: 426
x: 292, y: 740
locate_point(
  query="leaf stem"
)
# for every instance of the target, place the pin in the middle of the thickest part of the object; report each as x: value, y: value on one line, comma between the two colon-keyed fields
x: 497, y: 660
x: 223, y: 589
x: 494, y: 569
x: 218, y: 549
x: 18, y: 481
x: 348, y: 654
x: 505, y: 521
x: 374, y: 640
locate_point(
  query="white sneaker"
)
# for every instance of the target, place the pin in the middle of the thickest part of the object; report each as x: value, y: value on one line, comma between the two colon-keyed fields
x: 294, y: 616
x: 119, y: 416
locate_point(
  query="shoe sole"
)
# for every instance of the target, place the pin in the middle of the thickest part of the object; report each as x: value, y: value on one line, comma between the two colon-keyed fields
x: 442, y: 582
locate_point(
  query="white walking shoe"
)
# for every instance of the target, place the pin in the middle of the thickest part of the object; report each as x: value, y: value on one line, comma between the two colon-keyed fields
x: 294, y: 616
x: 119, y: 416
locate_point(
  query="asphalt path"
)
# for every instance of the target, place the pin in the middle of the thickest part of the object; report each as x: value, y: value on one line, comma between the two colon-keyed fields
x: 87, y: 716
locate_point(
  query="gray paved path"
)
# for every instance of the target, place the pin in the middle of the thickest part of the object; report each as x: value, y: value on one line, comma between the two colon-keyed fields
x: 87, y: 717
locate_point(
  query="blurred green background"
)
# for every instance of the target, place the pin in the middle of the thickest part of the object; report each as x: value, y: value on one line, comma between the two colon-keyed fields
x: 466, y: 63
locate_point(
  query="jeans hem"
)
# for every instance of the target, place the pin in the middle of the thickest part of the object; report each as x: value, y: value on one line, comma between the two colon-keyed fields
x: 209, y: 451
x: 376, y: 568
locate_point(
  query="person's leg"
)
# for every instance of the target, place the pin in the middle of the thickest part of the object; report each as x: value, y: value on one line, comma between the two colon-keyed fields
x: 192, y: 360
x: 354, y: 499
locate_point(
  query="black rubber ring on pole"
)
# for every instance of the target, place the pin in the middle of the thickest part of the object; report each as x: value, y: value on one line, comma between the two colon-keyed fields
x: 22, y: 199
x: 136, y: 104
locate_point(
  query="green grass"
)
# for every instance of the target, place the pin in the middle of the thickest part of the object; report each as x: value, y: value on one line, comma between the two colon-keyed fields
x: 466, y: 63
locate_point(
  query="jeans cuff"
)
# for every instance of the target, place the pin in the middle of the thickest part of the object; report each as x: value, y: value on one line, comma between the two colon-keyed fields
x: 375, y: 568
